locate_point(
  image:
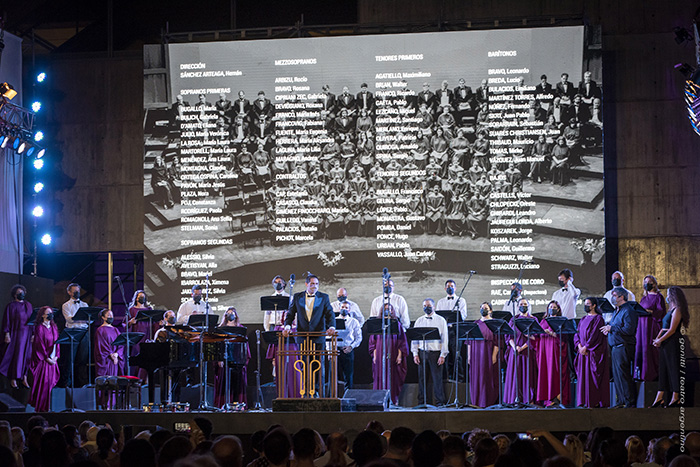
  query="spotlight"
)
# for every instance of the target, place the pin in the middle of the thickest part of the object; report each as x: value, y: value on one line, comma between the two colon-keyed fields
x: 38, y: 211
x: 16, y: 142
x: 30, y: 152
x: 3, y: 141
x: 46, y: 239
x: 21, y: 147
x: 682, y: 35
x: 36, y: 106
x: 41, y: 77
x: 38, y: 186
x: 7, y: 91
x: 41, y: 153
x: 38, y: 136
x: 38, y: 164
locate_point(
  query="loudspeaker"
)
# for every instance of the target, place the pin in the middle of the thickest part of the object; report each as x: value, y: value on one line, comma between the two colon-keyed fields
x: 369, y: 400
x: 8, y: 404
x: 83, y: 398
x: 190, y: 394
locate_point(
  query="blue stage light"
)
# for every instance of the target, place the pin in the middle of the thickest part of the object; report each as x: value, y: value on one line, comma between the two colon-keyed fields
x: 41, y: 77
x: 38, y: 211
x: 39, y: 135
x: 38, y: 186
x: 36, y: 106
x: 46, y: 239
x: 41, y: 153
x: 38, y: 164
x: 30, y: 151
x: 16, y: 143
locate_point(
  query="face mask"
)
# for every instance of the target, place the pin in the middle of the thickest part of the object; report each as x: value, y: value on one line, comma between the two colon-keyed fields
x: 49, y: 317
x: 649, y: 286
x: 142, y: 300
x: 110, y: 320
x: 197, y: 299
x: 562, y: 283
x: 343, y: 312
x: 279, y: 286
x: 171, y: 320
x: 484, y: 312
x: 230, y: 317
x: 668, y: 301
x: 428, y: 309
x: 342, y: 298
x: 76, y: 295
x: 450, y: 291
x: 587, y: 308
x: 552, y: 312
x: 617, y: 282
x: 20, y: 295
x: 523, y: 309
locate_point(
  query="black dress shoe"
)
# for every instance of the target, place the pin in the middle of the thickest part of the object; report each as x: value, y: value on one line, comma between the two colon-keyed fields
x: 674, y: 404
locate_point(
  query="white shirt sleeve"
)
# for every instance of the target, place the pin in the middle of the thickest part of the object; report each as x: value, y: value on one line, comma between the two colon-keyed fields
x: 183, y: 313
x: 444, y: 339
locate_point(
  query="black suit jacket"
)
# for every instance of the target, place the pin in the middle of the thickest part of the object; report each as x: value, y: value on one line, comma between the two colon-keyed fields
x: 322, y: 316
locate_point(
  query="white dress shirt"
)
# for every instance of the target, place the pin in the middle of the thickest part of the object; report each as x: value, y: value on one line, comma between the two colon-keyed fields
x: 69, y: 309
x: 189, y: 308
x: 448, y: 303
x: 354, y: 333
x: 508, y: 306
x: 272, y: 318
x: 567, y: 296
x: 399, y: 304
x: 354, y: 310
x: 432, y: 321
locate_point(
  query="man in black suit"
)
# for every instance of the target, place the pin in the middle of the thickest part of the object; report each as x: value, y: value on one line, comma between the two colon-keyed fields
x: 313, y: 311
x: 565, y: 90
x: 622, y: 339
x: 588, y: 88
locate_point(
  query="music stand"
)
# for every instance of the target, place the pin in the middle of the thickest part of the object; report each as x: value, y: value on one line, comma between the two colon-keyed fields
x: 130, y: 340
x: 231, y: 330
x: 606, y: 309
x: 499, y: 327
x: 471, y: 333
x: 381, y: 326
x: 560, y: 325
x: 202, y: 320
x: 538, y: 316
x: 503, y: 315
x: 88, y: 313
x: 449, y: 315
x: 71, y: 336
x: 424, y: 334
x: 275, y: 303
x: 149, y: 315
x: 528, y: 327
x: 639, y: 309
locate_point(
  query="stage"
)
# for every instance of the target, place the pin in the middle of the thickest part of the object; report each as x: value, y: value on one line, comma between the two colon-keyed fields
x: 639, y: 421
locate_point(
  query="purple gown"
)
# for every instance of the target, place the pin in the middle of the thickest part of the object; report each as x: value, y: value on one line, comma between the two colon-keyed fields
x: 398, y: 372
x: 524, y: 380
x: 548, y: 351
x: 592, y: 369
x: 16, y: 354
x: 220, y: 383
x: 646, y: 356
x: 483, y: 374
x: 45, y: 375
x: 105, y: 366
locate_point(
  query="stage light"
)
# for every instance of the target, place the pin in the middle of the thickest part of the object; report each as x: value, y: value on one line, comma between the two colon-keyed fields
x: 38, y: 164
x: 3, y: 141
x: 38, y: 211
x: 41, y: 77
x: 36, y: 106
x: 38, y: 186
x: 39, y: 135
x: 46, y: 239
x: 41, y: 153
x: 30, y: 151
x: 16, y: 142
x: 21, y: 147
x: 7, y: 91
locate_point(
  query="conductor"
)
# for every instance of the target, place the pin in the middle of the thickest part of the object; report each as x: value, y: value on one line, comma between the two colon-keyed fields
x: 314, y: 311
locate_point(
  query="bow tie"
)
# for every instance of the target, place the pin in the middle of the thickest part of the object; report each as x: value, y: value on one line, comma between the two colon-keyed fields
x: 450, y: 298
x: 76, y: 301
x: 428, y: 317
x: 310, y: 296
x: 565, y: 289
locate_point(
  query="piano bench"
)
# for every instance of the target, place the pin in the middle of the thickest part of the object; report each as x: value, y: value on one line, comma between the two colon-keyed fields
x: 118, y: 391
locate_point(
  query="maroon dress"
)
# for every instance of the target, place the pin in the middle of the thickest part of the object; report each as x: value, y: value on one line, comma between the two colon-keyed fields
x: 45, y: 375
x: 238, y: 381
x: 646, y: 356
x: 105, y: 366
x: 548, y: 381
x: 592, y: 369
x: 483, y: 374
x: 395, y: 342
x: 525, y: 380
x: 16, y: 354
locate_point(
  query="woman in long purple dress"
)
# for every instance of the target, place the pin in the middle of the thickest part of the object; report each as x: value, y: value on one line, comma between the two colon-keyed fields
x: 43, y: 364
x: 592, y: 361
x: 109, y: 360
x: 551, y: 388
x: 16, y: 348
x: 138, y: 303
x: 526, y: 360
x: 483, y: 363
x: 646, y: 356
x: 238, y: 376
x: 397, y: 346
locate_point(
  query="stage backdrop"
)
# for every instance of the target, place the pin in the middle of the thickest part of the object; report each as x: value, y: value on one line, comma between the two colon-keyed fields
x: 272, y: 157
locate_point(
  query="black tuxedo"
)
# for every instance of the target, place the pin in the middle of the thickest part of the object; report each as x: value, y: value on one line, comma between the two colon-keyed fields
x: 322, y: 316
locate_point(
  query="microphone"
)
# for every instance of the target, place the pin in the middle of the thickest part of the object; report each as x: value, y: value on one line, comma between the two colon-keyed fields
x: 119, y: 279
x: 528, y: 262
x: 385, y: 273
x: 292, y: 277
x: 472, y: 272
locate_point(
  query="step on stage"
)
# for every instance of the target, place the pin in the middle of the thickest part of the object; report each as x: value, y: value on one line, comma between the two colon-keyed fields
x: 455, y: 420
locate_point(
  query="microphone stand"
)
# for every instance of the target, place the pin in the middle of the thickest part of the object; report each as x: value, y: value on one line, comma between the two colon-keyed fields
x: 258, y: 402
x: 203, y: 403
x: 517, y: 403
x: 127, y: 351
x: 386, y: 379
x: 286, y: 340
x: 456, y: 402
